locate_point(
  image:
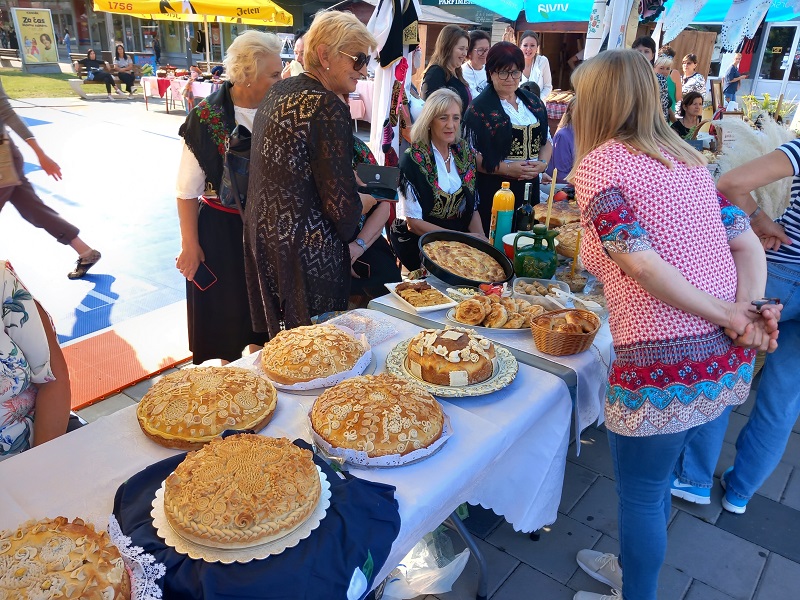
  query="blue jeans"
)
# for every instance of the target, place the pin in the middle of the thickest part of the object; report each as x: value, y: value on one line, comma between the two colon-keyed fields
x: 761, y: 443
x: 643, y: 470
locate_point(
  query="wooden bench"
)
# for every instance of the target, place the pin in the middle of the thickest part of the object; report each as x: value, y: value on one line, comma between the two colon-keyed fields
x: 80, y: 71
x: 7, y: 55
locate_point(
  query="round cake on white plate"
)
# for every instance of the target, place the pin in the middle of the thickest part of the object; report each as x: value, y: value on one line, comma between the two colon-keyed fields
x: 59, y: 558
x: 242, y: 491
x: 454, y: 356
x: 310, y: 352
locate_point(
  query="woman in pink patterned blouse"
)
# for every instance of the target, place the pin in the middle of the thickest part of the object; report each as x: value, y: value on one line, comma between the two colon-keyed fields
x: 680, y: 267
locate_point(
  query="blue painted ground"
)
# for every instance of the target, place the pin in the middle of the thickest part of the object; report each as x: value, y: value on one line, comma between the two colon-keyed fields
x: 119, y: 165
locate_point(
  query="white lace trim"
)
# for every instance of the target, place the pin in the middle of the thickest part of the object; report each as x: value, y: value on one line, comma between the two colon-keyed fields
x: 143, y: 566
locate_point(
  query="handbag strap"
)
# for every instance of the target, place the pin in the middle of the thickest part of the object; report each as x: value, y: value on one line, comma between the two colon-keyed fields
x: 234, y: 184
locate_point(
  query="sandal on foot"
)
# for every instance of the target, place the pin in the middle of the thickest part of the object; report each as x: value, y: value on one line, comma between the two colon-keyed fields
x: 83, y: 265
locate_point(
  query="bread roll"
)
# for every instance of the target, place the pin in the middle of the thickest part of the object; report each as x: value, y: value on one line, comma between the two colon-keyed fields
x: 470, y: 312
x: 575, y: 318
x: 568, y: 328
x: 515, y: 321
x: 497, y: 317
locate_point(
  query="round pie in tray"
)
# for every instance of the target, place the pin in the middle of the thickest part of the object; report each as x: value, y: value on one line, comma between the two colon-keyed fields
x: 310, y: 352
x: 380, y: 415
x: 56, y: 558
x: 241, y: 491
x: 190, y: 407
x: 453, y: 356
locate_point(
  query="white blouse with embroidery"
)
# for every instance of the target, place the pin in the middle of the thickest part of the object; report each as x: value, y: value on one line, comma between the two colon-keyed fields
x: 409, y: 207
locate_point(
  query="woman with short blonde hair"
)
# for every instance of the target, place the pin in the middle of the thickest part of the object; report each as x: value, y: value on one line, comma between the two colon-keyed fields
x: 245, y: 56
x: 437, y: 179
x: 211, y: 233
x: 444, y: 68
x: 304, y: 209
x: 680, y: 267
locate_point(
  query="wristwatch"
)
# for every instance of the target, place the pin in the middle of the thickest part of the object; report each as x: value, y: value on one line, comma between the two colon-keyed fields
x: 755, y: 213
x: 361, y: 243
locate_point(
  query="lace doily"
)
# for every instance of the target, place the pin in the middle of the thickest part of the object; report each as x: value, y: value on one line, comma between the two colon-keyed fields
x: 742, y: 21
x: 244, y: 555
x: 364, y: 322
x: 143, y: 567
x: 359, y: 458
x: 678, y: 16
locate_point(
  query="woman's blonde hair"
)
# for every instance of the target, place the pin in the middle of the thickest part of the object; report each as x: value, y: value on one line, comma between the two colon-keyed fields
x: 336, y: 30
x: 443, y: 50
x: 244, y: 57
x: 435, y: 106
x: 663, y: 61
x: 617, y: 98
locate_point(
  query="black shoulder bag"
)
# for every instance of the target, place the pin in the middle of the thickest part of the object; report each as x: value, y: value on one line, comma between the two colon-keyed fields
x: 236, y: 169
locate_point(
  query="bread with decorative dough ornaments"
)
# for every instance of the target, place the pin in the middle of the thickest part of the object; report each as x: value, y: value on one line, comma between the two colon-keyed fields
x: 241, y: 491
x: 310, y: 352
x: 454, y: 356
x: 190, y: 407
x: 59, y: 558
x: 378, y: 414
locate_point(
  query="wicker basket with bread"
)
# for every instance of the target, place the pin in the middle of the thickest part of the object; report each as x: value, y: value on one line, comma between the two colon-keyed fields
x: 565, y: 332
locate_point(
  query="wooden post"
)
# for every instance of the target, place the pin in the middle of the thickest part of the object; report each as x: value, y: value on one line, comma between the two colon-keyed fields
x: 777, y: 114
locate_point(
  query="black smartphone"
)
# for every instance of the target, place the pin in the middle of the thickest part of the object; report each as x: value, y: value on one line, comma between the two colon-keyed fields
x: 361, y: 269
x: 203, y: 277
x: 380, y: 182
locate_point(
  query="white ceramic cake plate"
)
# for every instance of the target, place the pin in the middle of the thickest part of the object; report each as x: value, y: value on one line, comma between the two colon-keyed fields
x: 503, y: 375
x: 241, y: 555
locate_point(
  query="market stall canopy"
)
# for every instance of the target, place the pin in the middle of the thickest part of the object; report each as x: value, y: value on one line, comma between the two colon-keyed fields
x: 540, y: 11
x: 264, y: 12
x: 195, y: 18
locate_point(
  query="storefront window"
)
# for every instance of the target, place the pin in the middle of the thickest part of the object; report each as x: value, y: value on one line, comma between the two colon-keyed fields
x: 777, y: 54
x: 172, y: 37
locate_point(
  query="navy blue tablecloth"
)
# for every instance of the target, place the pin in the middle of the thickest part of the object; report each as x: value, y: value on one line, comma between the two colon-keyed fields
x: 360, y: 525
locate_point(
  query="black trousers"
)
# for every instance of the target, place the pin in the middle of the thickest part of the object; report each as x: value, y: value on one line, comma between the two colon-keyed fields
x: 106, y: 78
x: 405, y: 245
x: 127, y: 79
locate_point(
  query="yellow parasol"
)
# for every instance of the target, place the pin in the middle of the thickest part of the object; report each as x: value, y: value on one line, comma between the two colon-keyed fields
x: 261, y: 12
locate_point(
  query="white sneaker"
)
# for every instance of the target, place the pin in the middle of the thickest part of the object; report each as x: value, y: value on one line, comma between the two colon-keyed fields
x: 602, y: 567
x: 110, y: 97
x: 615, y: 595
x: 120, y: 92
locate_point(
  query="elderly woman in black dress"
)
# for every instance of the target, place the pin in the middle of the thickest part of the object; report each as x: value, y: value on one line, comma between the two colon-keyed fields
x: 303, y: 206
x: 211, y: 233
x: 507, y: 126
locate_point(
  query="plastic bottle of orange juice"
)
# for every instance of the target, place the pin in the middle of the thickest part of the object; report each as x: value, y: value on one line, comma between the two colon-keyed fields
x: 502, y: 215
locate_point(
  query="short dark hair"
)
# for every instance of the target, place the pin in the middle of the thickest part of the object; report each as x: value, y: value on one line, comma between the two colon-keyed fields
x: 502, y: 56
x: 532, y: 87
x: 475, y: 36
x: 691, y: 57
x: 688, y: 99
x: 299, y: 33
x: 666, y: 50
x: 645, y: 42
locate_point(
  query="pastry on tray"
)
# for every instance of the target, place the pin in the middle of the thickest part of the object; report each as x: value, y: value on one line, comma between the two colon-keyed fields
x: 419, y: 294
x: 310, y: 352
x: 380, y: 415
x: 563, y: 212
x: 56, y: 558
x: 190, y: 407
x: 495, y: 312
x: 569, y: 322
x: 241, y: 491
x: 465, y: 261
x: 453, y: 356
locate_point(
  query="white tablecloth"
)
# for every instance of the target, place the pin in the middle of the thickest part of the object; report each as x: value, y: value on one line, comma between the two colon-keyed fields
x: 591, y: 367
x: 508, y: 453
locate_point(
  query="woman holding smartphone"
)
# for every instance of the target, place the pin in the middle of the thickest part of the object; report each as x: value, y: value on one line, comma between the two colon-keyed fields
x: 437, y: 179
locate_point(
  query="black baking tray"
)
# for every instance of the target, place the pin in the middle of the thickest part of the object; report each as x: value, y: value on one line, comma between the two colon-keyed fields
x: 455, y: 236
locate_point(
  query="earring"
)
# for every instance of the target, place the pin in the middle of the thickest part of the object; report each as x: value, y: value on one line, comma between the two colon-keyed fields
x: 248, y: 85
x: 327, y: 68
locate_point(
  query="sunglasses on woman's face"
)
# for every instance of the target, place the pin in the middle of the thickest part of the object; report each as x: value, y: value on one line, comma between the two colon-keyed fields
x: 360, y: 60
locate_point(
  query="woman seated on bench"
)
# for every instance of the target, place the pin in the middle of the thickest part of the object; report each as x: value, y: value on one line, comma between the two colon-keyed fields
x: 124, y: 67
x: 97, y: 70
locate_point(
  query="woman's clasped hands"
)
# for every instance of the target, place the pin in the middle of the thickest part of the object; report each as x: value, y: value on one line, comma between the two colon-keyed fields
x: 752, y: 329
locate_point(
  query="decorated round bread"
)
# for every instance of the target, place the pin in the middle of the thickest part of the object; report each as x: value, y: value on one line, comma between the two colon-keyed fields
x: 241, y: 491
x: 381, y: 415
x: 310, y: 352
x: 56, y: 558
x: 190, y: 407
x: 454, y: 356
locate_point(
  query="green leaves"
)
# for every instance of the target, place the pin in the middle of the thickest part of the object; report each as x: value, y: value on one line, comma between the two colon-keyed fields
x: 13, y: 304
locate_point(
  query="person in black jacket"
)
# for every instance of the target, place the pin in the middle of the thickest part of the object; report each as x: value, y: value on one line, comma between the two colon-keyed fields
x: 444, y: 70
x: 97, y: 70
